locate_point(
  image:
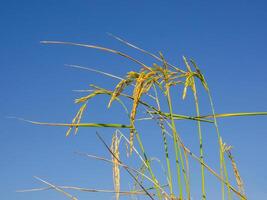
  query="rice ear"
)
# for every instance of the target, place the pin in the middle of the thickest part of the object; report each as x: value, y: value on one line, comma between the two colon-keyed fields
x: 143, y: 84
x: 86, y: 98
x: 77, y: 119
x: 119, y: 88
x: 184, y: 91
x: 186, y: 85
x: 80, y: 116
x: 200, y: 75
x: 116, y: 170
x: 187, y: 64
x: 238, y: 179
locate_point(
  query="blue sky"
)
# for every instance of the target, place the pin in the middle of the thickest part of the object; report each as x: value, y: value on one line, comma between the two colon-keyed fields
x: 227, y: 39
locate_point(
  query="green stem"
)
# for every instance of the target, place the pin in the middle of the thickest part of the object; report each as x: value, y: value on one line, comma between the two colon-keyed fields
x: 163, y: 131
x: 187, y: 187
x: 167, y: 160
x: 221, y: 172
x: 176, y: 146
x: 200, y: 145
x: 218, y: 136
x: 148, y: 165
x: 227, y: 180
x: 242, y: 114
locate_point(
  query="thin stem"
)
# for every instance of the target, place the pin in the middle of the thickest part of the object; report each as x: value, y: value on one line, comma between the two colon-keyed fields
x: 200, y: 145
x: 148, y: 164
x: 163, y: 131
x: 145, y: 52
x: 227, y: 180
x: 176, y: 146
x: 218, y: 136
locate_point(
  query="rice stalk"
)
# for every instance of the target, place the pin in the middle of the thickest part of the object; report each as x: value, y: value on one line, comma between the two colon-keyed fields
x: 190, y: 82
x: 163, y: 131
x: 204, y: 83
x: 176, y: 146
x: 167, y: 76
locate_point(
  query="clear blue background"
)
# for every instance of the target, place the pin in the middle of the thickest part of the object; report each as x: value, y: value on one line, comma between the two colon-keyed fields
x: 227, y: 39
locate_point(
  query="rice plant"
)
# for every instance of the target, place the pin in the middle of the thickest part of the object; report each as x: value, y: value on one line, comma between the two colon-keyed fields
x: 152, y: 89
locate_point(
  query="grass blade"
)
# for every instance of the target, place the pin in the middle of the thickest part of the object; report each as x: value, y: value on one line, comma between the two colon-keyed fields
x: 99, y: 48
x: 76, y: 125
x: 57, y: 188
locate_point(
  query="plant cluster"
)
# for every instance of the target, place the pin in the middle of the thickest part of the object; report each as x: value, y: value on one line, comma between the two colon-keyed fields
x: 150, y: 81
